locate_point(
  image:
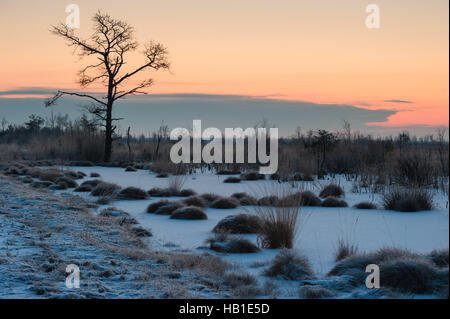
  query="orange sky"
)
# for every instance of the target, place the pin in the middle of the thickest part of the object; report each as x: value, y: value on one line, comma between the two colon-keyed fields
x: 318, y: 51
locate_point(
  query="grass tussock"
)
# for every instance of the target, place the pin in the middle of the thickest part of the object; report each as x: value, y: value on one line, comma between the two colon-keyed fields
x: 290, y: 265
x: 232, y: 180
x: 365, y: 205
x: 231, y: 244
x: 189, y: 213
x: 153, y: 207
x: 312, y: 292
x: 195, y: 201
x: 239, y: 224
x: 332, y: 190
x: 400, y: 270
x: 104, y: 189
x: 334, y: 202
x: 132, y: 193
x: 408, y: 200
x: 344, y: 250
x: 225, y: 203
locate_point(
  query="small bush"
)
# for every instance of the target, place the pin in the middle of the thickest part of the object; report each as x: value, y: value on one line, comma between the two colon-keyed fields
x: 289, y: 266
x: 232, y: 180
x: 93, y: 174
x: 234, y: 245
x: 332, y: 190
x: 334, y: 202
x: 239, y: 224
x: 132, y: 193
x: 105, y: 189
x: 305, y: 198
x: 365, y: 205
x: 189, y: 213
x: 225, y: 203
x: 130, y: 169
x: 162, y: 175
x: 195, y: 201
x: 408, y: 200
x: 152, y: 208
x: 176, y: 182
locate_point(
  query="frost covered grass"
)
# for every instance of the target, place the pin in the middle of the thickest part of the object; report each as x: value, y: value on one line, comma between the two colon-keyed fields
x: 408, y: 200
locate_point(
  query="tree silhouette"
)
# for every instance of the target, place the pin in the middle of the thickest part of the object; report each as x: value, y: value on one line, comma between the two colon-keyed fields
x: 108, y: 45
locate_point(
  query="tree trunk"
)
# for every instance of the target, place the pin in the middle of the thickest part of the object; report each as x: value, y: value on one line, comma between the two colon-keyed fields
x: 108, y: 134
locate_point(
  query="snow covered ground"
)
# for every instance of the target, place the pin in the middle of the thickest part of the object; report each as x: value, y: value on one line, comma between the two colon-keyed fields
x: 318, y: 238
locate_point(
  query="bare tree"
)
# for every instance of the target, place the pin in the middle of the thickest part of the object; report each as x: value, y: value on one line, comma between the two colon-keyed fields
x: 108, y: 45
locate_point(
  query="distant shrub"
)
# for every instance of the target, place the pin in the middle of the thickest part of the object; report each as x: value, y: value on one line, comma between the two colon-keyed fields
x: 232, y: 180
x: 93, y: 174
x: 130, y: 169
x: 132, y: 193
x: 152, y: 208
x: 332, y: 190
x: 189, y: 213
x: 334, y: 202
x: 235, y: 245
x: 195, y: 201
x: 225, y: 203
x: 408, y: 200
x: 105, y: 189
x: 162, y: 175
x: 413, y: 170
x: 289, y: 265
x: 365, y: 205
x: 239, y: 224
